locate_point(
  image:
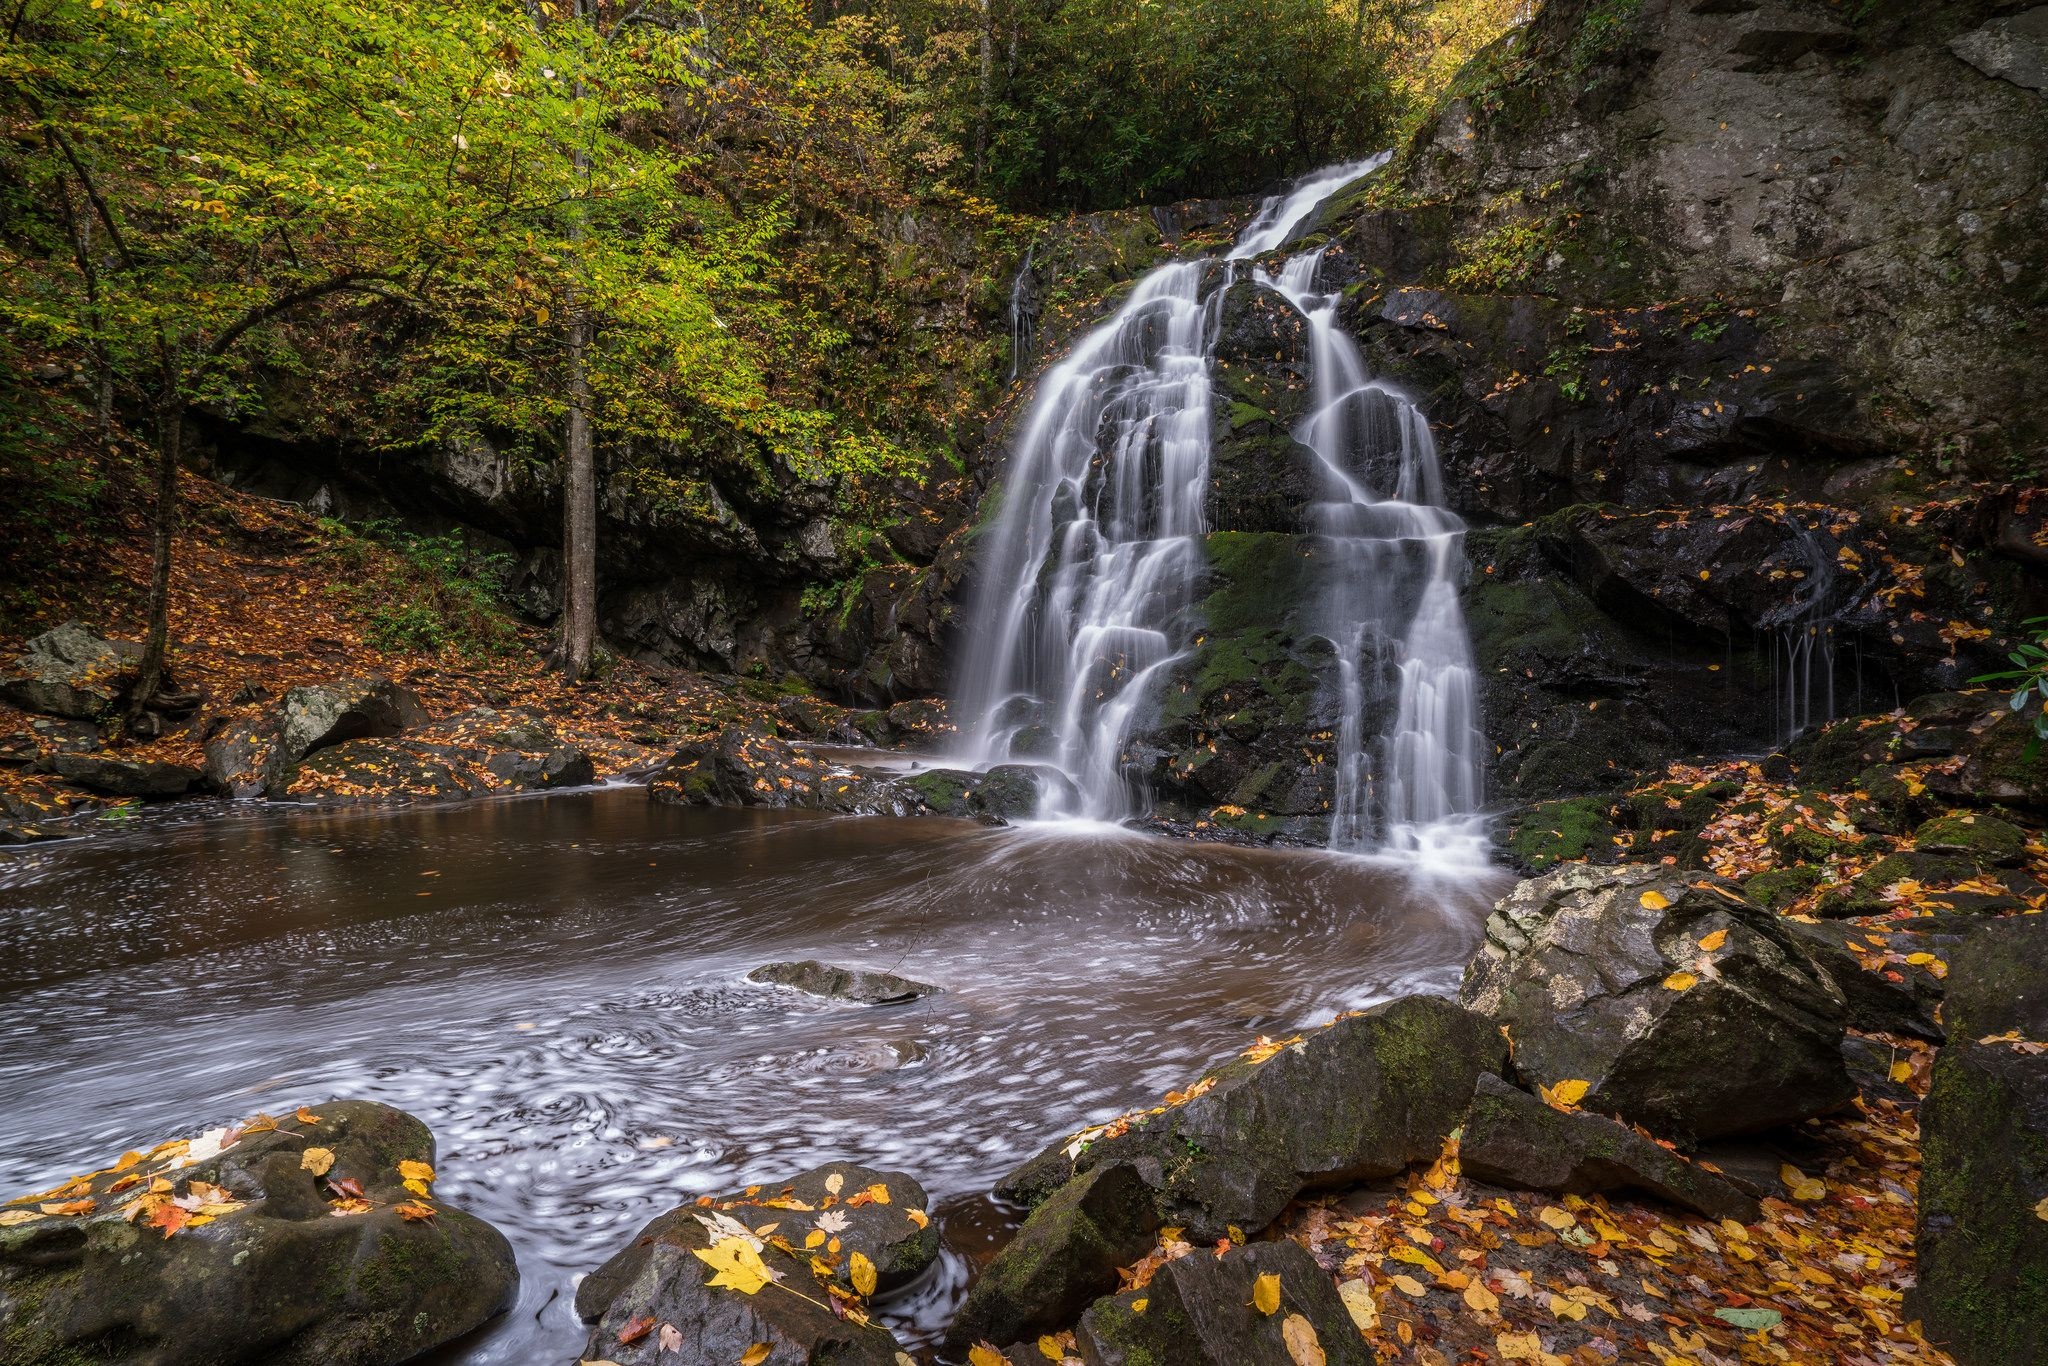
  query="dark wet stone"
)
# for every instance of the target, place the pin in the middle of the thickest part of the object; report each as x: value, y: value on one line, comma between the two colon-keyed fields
x: 1065, y: 1256
x: 1513, y: 1139
x: 842, y: 984
x: 474, y: 753
x: 1875, y: 1003
x: 1198, y: 1311
x: 1360, y: 1099
x: 125, y: 777
x: 897, y: 1235
x: 254, y: 756
x: 281, y: 1280
x: 72, y: 671
x: 1579, y: 965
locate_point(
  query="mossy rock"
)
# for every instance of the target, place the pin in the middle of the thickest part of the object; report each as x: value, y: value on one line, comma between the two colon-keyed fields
x: 1549, y: 833
x: 1986, y: 839
x: 1778, y: 888
x: 1199, y: 1311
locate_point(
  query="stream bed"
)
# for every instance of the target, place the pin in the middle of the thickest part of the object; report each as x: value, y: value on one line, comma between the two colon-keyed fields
x: 556, y: 986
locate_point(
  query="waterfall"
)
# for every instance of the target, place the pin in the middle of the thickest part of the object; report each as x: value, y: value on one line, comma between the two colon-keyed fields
x: 1023, y: 316
x: 1093, y: 554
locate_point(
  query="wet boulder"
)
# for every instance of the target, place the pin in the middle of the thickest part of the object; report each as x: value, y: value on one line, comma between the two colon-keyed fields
x: 857, y: 985
x: 1980, y: 1243
x: 1361, y: 1098
x: 995, y: 796
x: 1513, y: 1139
x: 476, y: 753
x: 1985, y: 839
x: 1885, y: 1000
x: 883, y: 1216
x: 1199, y: 1311
x: 1064, y: 1257
x: 697, y: 1287
x: 112, y: 777
x: 1684, y: 1008
x: 72, y: 671
x: 739, y: 767
x: 313, y: 1240
x: 254, y: 756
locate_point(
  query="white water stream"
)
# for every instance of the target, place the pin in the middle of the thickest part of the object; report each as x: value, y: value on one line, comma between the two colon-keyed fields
x: 1095, y: 553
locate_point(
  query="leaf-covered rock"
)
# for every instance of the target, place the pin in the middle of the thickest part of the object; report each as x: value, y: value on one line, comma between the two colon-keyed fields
x: 1684, y: 1008
x: 299, y: 1244
x: 71, y: 671
x: 1200, y: 1310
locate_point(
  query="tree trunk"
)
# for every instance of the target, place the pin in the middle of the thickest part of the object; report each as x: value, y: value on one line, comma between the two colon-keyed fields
x: 988, y: 75
x: 579, y: 511
x: 170, y: 443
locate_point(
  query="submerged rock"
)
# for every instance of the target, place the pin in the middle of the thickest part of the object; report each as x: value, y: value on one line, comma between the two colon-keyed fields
x: 842, y: 984
x: 72, y: 671
x: 1198, y: 1311
x: 654, y: 1301
x: 1064, y: 1257
x: 1513, y: 1139
x: 896, y: 1235
x: 1981, y: 1245
x: 1685, y: 1008
x: 1362, y: 1098
x: 299, y: 1245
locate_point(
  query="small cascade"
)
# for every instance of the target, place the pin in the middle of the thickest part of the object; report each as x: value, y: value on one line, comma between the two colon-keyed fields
x: 1803, y: 651
x: 1393, y: 558
x: 1095, y: 552
x: 1023, y: 316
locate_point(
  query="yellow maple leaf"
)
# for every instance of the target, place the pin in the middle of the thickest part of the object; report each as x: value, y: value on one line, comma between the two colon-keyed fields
x: 1299, y: 1336
x: 878, y: 1193
x: 986, y: 1354
x: 318, y: 1161
x: 1714, y: 941
x: 862, y: 1273
x: 737, y: 1265
x: 1266, y: 1293
x: 1681, y: 981
x: 1569, y: 1092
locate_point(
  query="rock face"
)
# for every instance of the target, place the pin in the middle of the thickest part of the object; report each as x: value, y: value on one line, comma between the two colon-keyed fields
x: 1065, y: 1256
x: 1362, y: 1098
x: 1688, y: 1010
x: 1513, y: 1139
x: 654, y: 1302
x: 255, y: 757
x: 1981, y: 1245
x: 1198, y: 1311
x: 72, y: 671
x: 888, y: 1233
x: 479, y: 752
x: 265, y: 1270
x: 842, y: 984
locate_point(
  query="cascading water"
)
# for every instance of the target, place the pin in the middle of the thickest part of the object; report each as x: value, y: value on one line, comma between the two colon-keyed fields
x: 1023, y: 315
x: 1095, y: 551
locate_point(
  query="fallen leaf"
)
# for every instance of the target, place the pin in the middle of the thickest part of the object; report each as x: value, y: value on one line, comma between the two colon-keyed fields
x: 1299, y: 1335
x: 862, y: 1272
x: 305, y: 1116
x: 878, y: 1193
x: 1570, y: 1092
x: 918, y: 1217
x: 670, y: 1338
x: 1654, y: 901
x: 1049, y: 1348
x: 1481, y: 1300
x: 9, y: 1218
x: 1266, y: 1293
x: 835, y: 1183
x: 815, y: 1238
x: 1519, y: 1347
x: 986, y: 1354
x: 413, y: 1211
x: 738, y: 1266
x: 636, y: 1328
x: 1750, y: 1320
x: 1358, y: 1302
x: 1680, y: 981
x: 1408, y: 1285
x: 756, y: 1354
x: 318, y: 1161
x: 1714, y: 941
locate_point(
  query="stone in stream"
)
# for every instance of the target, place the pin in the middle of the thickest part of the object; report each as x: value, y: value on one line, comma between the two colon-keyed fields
x: 653, y: 1302
x: 1981, y: 1238
x: 841, y: 984
x: 1065, y: 1256
x: 1686, y: 1009
x: 476, y: 753
x: 1198, y: 1311
x: 895, y: 1235
x: 1513, y: 1139
x: 254, y: 756
x: 72, y: 671
x: 275, y: 1263
x: 125, y: 777
x: 1361, y: 1098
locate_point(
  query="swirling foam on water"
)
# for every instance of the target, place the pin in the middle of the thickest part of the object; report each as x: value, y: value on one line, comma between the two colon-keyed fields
x: 567, y: 1007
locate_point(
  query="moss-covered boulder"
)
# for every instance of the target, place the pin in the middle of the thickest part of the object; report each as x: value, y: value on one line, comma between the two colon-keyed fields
x: 1065, y: 1256
x: 1199, y: 1311
x: 312, y: 1240
x: 1572, y: 830
x: 1981, y: 1244
x: 1986, y: 839
x: 892, y: 1229
x: 1682, y: 1006
x: 1776, y: 888
x: 1513, y: 1139
x: 1361, y: 1098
